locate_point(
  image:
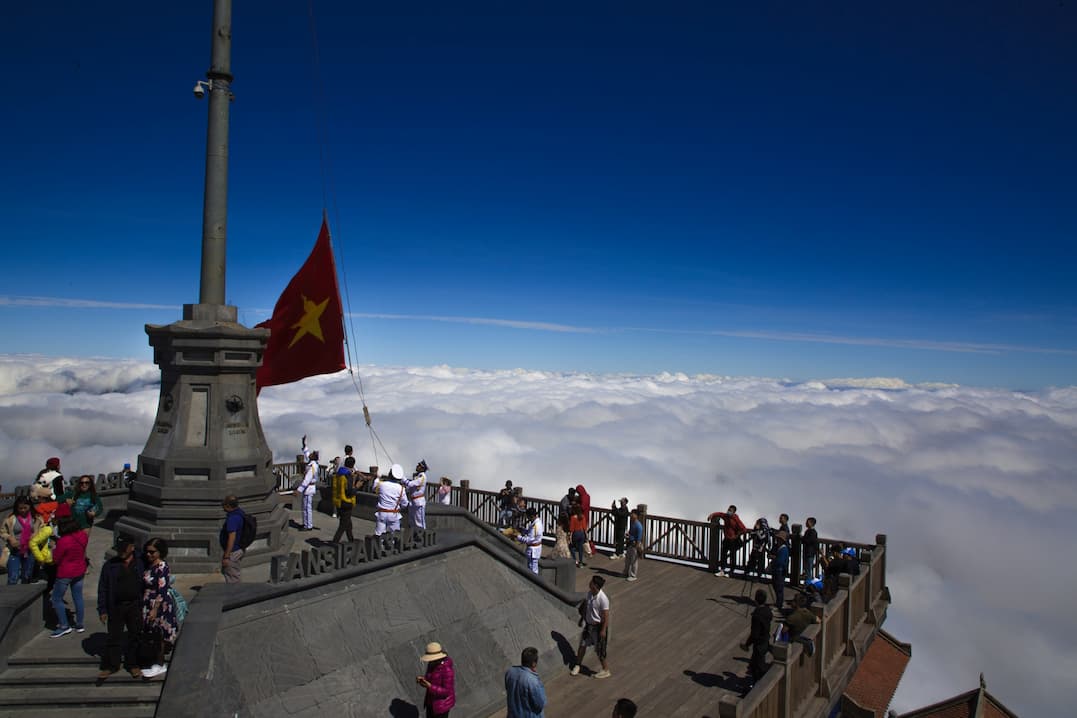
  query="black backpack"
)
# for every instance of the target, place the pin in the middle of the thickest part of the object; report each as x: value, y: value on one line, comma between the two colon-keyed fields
x: 249, y: 530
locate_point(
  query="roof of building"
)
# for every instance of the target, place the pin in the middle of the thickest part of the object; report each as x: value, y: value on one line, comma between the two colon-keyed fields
x: 976, y: 703
x: 876, y: 680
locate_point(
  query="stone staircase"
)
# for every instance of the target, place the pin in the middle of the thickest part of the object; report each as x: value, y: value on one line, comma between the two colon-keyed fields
x: 57, y: 676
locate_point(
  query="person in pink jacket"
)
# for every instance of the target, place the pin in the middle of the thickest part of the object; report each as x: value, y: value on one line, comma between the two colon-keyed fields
x: 69, y: 556
x: 439, y: 682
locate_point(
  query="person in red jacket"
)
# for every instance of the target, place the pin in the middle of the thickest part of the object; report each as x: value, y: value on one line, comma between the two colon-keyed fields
x: 69, y: 556
x: 732, y: 530
x: 439, y: 682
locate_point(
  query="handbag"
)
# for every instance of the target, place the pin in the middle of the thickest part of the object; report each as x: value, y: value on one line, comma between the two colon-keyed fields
x: 148, y: 649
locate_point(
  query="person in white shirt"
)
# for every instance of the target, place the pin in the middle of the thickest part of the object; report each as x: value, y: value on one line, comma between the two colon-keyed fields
x: 416, y: 488
x: 596, y: 615
x: 392, y: 499
x: 532, y: 536
x: 308, y: 486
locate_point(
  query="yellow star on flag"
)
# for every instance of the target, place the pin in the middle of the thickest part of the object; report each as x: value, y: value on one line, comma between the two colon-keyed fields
x: 310, y: 322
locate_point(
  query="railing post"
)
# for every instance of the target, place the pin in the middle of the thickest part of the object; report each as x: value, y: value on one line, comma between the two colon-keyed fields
x: 822, y: 689
x: 714, y: 545
x: 465, y: 494
x: 845, y: 584
x: 300, y: 464
x: 729, y: 707
x: 795, y: 551
x: 866, y: 570
x: 781, y: 652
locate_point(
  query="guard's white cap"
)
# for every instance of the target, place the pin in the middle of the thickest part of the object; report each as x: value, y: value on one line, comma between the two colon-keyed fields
x: 396, y: 472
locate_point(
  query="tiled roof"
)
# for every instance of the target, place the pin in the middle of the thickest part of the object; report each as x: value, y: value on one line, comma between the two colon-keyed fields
x: 876, y: 679
x: 973, y: 704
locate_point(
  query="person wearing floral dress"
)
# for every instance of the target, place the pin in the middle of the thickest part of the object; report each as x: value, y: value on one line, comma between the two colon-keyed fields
x: 158, y: 609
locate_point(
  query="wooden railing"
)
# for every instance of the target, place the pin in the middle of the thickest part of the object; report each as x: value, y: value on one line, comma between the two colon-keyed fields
x: 696, y: 543
x: 798, y: 685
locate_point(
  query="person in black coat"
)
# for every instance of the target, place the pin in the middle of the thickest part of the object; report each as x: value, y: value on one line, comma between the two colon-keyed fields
x: 809, y: 547
x: 620, y: 526
x: 119, y: 604
x: 758, y: 639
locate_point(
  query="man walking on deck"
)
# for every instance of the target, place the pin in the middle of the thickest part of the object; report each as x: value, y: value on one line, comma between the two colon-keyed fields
x: 344, y: 499
x: 596, y: 616
x: 231, y: 549
x: 758, y: 639
x: 525, y: 696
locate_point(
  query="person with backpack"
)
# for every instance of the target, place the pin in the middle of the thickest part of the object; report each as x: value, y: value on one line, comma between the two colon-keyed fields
x: 344, y: 499
x: 236, y: 525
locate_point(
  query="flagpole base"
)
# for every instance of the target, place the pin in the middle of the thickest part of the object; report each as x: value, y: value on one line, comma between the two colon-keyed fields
x: 206, y: 443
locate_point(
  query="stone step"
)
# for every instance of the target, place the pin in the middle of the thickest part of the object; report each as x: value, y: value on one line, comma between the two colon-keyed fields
x: 146, y: 710
x: 60, y: 673
x: 78, y: 695
x: 32, y: 659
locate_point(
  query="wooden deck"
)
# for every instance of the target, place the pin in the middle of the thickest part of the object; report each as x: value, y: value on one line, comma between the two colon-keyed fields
x: 673, y: 643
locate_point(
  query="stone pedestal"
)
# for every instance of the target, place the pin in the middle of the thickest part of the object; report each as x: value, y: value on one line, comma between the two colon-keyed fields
x: 206, y: 443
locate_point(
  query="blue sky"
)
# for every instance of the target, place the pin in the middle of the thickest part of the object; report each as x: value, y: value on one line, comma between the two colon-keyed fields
x: 806, y: 191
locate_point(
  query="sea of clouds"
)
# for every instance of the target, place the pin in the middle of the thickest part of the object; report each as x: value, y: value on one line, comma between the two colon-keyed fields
x: 975, y: 488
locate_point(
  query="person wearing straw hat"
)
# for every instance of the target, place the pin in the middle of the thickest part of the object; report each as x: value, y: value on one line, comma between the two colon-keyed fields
x: 439, y: 681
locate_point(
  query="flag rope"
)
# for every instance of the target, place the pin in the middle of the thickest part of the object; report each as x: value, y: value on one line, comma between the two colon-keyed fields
x: 329, y: 196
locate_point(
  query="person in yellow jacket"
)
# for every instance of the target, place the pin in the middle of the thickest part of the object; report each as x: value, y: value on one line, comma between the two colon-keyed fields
x: 40, y: 545
x: 344, y: 499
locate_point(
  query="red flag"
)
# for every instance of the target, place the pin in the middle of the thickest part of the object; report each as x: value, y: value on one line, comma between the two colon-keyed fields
x: 307, y: 326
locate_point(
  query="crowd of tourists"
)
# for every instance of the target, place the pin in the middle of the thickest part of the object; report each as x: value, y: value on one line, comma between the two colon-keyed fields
x: 769, y: 561
x: 46, y: 535
x: 45, y: 539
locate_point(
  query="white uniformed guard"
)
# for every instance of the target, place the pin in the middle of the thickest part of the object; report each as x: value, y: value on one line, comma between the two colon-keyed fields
x: 416, y: 488
x: 392, y: 499
x: 309, y: 486
x: 532, y: 536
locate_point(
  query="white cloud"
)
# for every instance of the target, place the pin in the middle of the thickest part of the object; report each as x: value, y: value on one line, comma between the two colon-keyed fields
x: 975, y: 488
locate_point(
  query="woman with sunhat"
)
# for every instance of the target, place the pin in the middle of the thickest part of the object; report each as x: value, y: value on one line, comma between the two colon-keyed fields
x: 439, y: 681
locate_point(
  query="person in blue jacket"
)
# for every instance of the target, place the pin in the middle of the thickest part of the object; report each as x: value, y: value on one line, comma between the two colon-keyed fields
x: 525, y: 695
